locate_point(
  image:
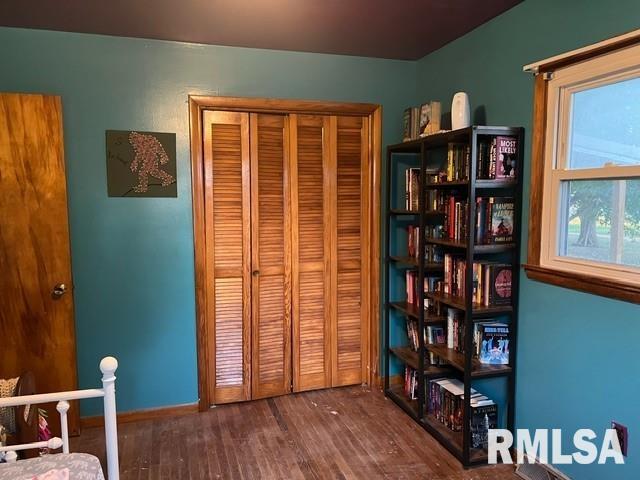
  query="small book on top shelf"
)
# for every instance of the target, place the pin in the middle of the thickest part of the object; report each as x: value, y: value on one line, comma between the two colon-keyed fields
x: 410, y: 124
x: 430, y: 114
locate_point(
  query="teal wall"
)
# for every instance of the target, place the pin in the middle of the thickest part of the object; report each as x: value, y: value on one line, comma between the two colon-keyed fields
x: 133, y: 258
x: 578, y: 354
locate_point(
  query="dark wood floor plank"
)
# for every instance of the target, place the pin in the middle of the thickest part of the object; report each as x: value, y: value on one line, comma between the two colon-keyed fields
x: 343, y: 433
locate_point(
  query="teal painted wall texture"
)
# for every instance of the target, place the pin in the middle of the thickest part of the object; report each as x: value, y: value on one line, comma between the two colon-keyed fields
x: 133, y: 257
x: 578, y: 353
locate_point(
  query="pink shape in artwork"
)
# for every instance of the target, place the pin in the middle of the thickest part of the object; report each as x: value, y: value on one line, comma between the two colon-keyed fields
x: 149, y: 156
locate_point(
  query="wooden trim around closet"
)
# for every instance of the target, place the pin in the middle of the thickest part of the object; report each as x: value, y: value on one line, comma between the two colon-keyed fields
x: 199, y: 103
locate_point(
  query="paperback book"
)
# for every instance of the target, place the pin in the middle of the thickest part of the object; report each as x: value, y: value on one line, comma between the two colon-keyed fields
x: 491, y: 341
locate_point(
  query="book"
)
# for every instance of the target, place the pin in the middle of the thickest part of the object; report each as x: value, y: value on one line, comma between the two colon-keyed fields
x: 491, y: 280
x: 502, y: 220
x: 415, y: 122
x: 406, y: 125
x: 500, y: 285
x: 506, y: 157
x: 430, y: 114
x: 492, y: 343
x: 483, y: 418
x: 425, y: 119
x: 412, y: 188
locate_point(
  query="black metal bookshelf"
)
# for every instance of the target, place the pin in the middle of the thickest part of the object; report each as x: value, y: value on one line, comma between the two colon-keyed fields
x: 462, y: 366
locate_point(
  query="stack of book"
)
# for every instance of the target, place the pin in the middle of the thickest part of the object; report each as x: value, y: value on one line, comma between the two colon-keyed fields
x: 497, y: 158
x: 411, y: 279
x: 458, y: 161
x: 455, y: 330
x: 490, y: 339
x: 456, y: 214
x: 435, y: 335
x: 432, y: 335
x: 410, y: 383
x: 491, y: 280
x: 446, y: 404
x: 432, y: 253
x: 421, y: 121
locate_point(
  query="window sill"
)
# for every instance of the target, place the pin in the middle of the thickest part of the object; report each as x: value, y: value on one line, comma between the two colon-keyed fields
x: 585, y: 283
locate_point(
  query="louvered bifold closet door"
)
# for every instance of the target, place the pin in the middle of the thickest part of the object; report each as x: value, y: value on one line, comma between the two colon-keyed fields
x: 228, y: 250
x: 311, y: 237
x: 271, y: 256
x: 349, y: 335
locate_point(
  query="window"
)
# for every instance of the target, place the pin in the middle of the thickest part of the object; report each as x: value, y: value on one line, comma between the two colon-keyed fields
x: 586, y: 173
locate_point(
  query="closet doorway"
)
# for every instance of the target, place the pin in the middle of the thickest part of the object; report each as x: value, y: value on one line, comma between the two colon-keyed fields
x: 286, y: 229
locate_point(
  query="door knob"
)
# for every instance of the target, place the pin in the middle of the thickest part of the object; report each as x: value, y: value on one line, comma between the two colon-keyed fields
x: 256, y: 273
x: 59, y: 290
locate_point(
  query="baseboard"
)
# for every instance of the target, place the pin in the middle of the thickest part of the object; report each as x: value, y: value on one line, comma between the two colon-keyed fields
x: 140, y: 415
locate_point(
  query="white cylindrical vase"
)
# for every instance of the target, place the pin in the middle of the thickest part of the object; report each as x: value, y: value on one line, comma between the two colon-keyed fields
x: 460, y: 111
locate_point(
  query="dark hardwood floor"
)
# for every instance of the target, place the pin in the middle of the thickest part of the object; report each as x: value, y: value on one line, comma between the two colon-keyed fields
x: 343, y: 433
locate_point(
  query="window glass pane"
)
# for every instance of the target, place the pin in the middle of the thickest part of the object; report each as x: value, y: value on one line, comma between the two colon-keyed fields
x: 600, y: 221
x: 605, y: 126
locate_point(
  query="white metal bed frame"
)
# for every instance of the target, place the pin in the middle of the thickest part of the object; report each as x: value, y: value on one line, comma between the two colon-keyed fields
x: 108, y: 367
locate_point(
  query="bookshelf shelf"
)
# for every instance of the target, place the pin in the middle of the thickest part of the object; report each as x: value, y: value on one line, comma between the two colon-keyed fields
x: 409, y: 357
x: 452, y: 184
x: 464, y: 206
x: 482, y: 248
x: 403, y: 211
x: 412, y: 311
x: 396, y: 393
x: 452, y: 441
x: 412, y: 262
x: 478, y: 311
x: 457, y: 361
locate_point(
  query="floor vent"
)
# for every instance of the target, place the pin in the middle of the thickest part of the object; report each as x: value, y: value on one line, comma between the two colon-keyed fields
x: 538, y: 471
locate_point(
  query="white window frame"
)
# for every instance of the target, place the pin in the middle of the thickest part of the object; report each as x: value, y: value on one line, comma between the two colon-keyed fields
x: 610, y: 68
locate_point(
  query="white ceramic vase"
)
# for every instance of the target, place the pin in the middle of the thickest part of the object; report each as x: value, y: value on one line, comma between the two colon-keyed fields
x: 460, y: 111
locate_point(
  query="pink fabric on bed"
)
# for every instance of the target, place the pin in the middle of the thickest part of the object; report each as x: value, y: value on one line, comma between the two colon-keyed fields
x: 62, y: 474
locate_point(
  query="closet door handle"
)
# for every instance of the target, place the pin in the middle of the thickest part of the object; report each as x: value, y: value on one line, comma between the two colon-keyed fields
x: 255, y: 273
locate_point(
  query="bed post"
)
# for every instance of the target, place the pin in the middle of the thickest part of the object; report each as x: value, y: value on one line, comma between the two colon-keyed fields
x: 63, y: 408
x: 108, y: 366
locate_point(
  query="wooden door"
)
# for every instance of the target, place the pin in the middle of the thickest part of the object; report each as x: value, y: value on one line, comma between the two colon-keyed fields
x: 271, y: 256
x: 311, y: 189
x: 228, y: 254
x: 36, y: 325
x: 350, y: 251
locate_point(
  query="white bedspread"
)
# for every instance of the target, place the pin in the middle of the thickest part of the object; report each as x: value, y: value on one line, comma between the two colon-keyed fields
x: 82, y: 466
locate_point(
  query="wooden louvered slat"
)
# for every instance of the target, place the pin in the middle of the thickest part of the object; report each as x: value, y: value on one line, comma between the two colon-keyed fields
x: 227, y: 243
x: 271, y: 264
x: 351, y: 209
x: 310, y: 253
